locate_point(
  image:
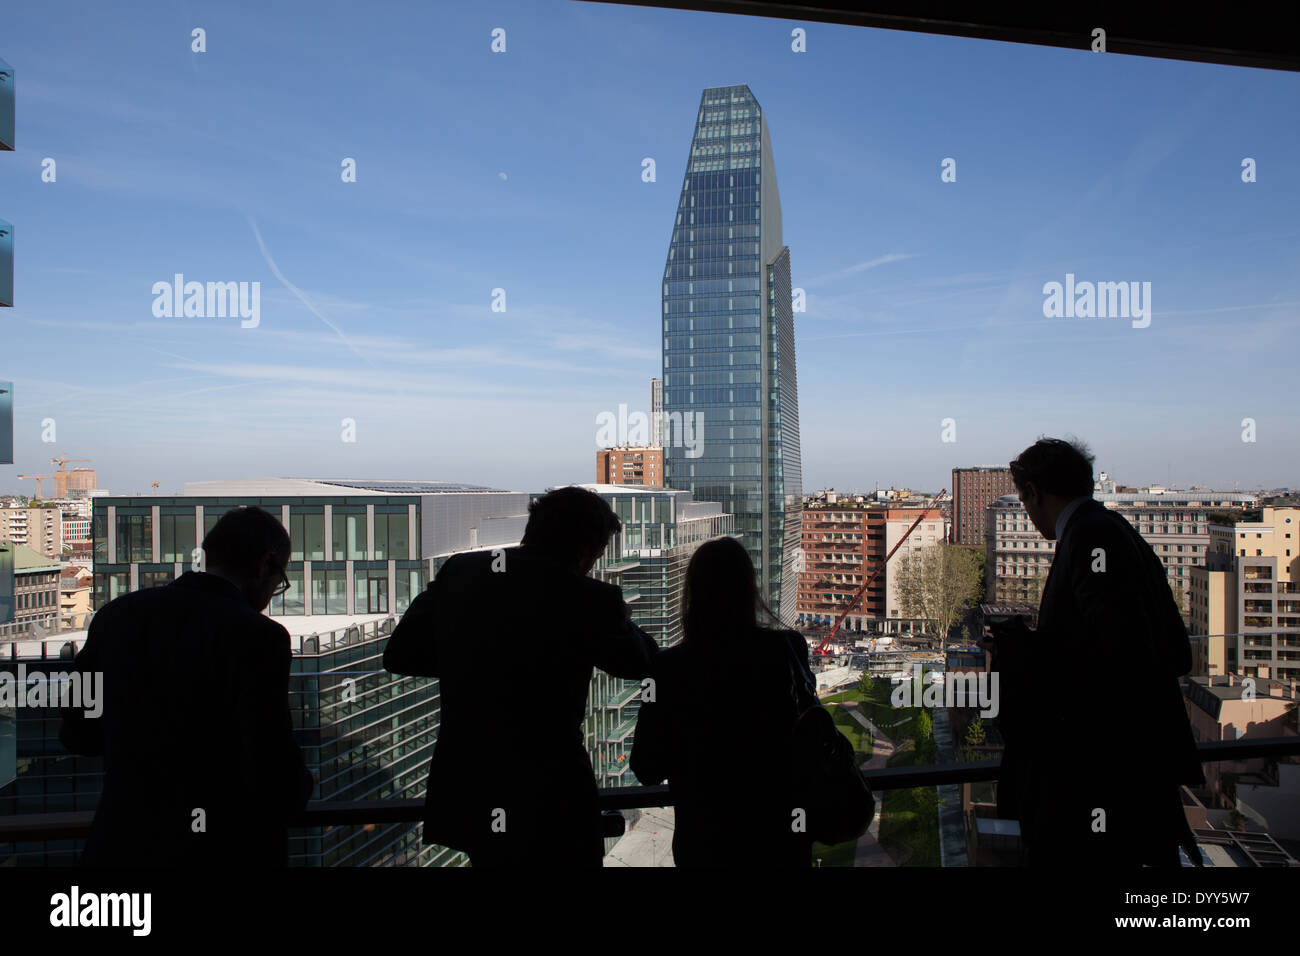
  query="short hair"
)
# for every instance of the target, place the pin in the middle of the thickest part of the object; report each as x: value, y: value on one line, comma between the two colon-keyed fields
x: 568, y: 523
x: 243, y: 535
x: 1055, y: 466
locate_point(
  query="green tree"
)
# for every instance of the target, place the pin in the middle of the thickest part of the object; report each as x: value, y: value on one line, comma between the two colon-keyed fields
x: 924, y: 730
x: 937, y: 584
x: 975, y: 736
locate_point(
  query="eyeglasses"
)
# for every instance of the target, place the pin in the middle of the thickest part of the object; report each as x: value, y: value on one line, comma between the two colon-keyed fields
x: 284, y: 586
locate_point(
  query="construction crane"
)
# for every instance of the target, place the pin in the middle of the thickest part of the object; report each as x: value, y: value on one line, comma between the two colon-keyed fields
x: 61, y: 477
x: 38, y: 479
x: 824, y: 647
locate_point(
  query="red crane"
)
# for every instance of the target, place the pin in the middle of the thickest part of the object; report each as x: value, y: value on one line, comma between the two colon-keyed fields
x: 823, y: 647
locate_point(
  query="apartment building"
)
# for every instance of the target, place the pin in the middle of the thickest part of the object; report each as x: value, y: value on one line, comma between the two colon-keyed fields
x: 973, y: 490
x: 933, y: 529
x: 1174, y: 523
x: 1265, y: 793
x: 1245, y: 600
x: 842, y: 543
x: 630, y: 465
x: 35, y: 591
x: 40, y: 529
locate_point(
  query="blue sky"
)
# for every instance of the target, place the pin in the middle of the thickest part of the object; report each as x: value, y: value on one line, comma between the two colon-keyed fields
x: 522, y: 171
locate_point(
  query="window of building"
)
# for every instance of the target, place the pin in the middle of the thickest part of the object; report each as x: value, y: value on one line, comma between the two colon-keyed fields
x: 134, y: 535
x: 176, y: 536
x: 329, y: 591
x: 392, y: 532
x: 307, y: 533
x: 349, y: 533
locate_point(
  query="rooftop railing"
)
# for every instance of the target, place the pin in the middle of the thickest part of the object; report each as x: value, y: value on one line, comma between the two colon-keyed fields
x: 331, y: 813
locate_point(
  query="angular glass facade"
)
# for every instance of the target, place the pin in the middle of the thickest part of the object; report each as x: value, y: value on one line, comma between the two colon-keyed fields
x: 730, y: 398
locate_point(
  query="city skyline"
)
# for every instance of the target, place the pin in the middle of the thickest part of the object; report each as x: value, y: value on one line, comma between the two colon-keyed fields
x: 479, y: 171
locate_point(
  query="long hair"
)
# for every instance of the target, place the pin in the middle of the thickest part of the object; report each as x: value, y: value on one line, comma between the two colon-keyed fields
x: 721, y: 603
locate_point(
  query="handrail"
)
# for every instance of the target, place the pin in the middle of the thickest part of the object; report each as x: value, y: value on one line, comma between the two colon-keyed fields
x: 325, y: 813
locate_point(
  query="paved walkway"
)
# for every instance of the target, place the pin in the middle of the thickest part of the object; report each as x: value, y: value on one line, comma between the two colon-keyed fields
x: 648, y: 842
x: 952, y: 826
x: 870, y: 852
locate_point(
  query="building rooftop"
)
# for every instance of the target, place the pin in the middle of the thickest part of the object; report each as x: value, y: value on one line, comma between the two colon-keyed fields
x: 306, y: 487
x: 1164, y: 496
x: 1231, y: 687
x: 25, y: 559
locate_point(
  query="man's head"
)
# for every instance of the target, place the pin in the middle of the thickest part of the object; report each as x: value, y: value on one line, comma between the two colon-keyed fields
x: 1049, y: 474
x: 249, y: 548
x: 572, y: 525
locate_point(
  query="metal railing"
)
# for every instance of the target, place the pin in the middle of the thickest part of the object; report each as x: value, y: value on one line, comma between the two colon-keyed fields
x: 323, y: 813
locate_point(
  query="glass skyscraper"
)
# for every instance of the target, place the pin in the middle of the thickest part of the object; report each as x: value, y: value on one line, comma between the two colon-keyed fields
x: 728, y: 358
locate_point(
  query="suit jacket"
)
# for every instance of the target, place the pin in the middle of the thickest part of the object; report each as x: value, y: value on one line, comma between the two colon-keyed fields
x: 688, y: 735
x: 195, y: 718
x: 1092, y: 712
x: 510, y: 779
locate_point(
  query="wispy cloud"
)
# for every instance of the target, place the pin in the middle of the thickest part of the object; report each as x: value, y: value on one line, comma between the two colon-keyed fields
x: 864, y: 266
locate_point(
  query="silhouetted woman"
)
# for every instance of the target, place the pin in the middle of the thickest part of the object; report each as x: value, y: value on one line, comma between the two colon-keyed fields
x: 720, y: 727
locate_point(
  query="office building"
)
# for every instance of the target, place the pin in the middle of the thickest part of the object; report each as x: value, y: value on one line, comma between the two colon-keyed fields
x: 731, y: 405
x: 657, y: 412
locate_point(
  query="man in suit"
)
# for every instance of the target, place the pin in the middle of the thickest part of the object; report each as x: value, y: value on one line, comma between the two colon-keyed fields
x: 1097, y: 735
x: 200, y: 765
x: 510, y: 782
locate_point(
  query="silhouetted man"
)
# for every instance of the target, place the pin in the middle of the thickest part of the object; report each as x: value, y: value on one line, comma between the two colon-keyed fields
x: 510, y: 782
x: 1097, y: 735
x: 200, y: 765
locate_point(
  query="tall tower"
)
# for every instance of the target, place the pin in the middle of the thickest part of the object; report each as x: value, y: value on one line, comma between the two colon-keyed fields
x: 728, y: 359
x: 656, y: 412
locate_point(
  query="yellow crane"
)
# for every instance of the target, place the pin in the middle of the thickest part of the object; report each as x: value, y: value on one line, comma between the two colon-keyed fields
x: 61, y: 477
x: 38, y: 479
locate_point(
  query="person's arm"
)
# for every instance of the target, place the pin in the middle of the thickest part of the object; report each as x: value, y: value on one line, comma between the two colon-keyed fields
x: 651, y: 745
x: 79, y: 733
x: 273, y: 756
x: 615, y: 644
x: 413, y: 646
